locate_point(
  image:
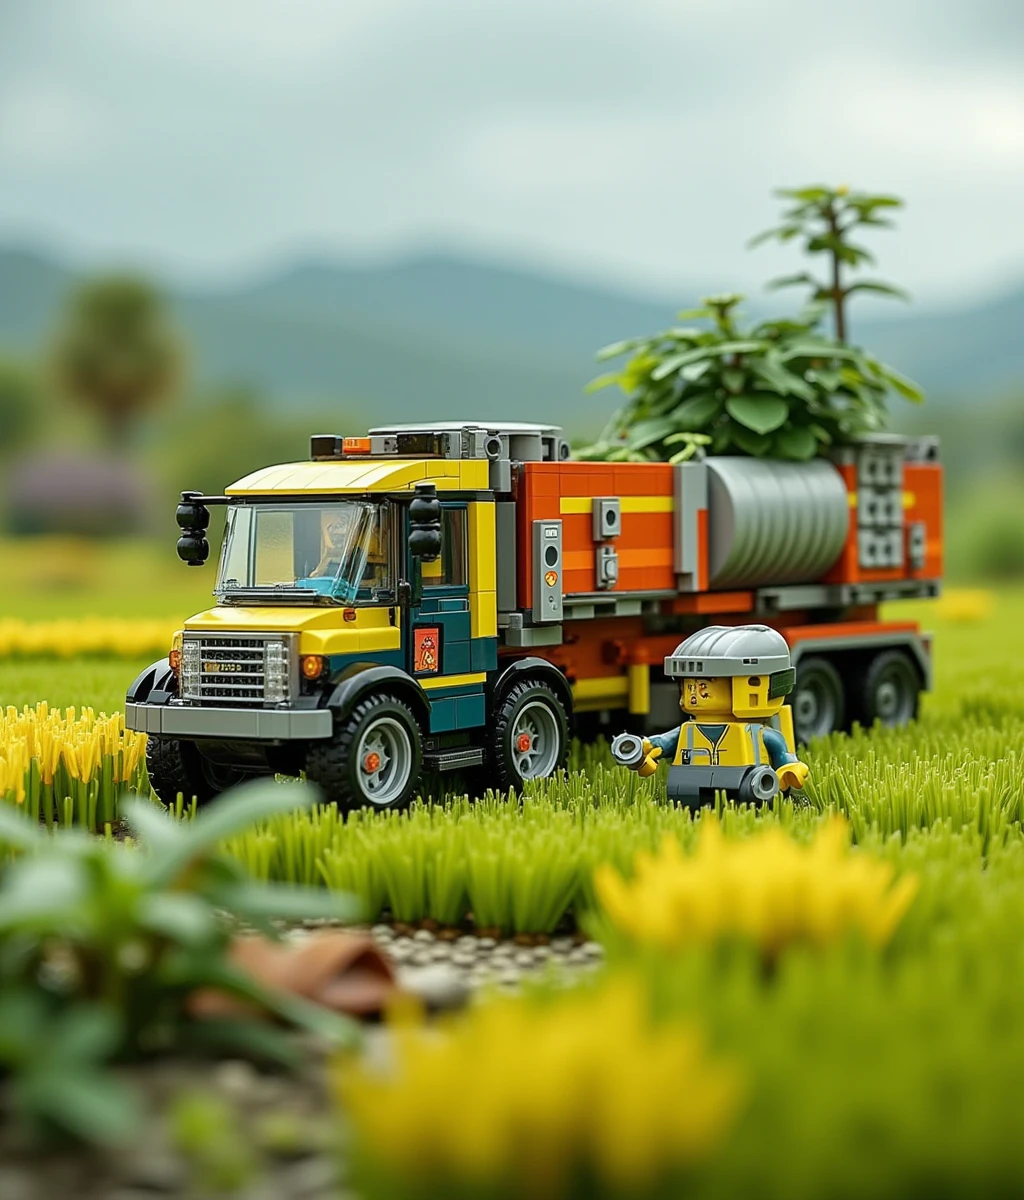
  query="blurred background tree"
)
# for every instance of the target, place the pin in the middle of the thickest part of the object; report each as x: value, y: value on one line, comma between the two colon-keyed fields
x: 20, y: 405
x: 116, y: 352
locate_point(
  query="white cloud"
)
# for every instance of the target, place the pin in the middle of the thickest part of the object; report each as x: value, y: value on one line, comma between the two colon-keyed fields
x: 45, y: 125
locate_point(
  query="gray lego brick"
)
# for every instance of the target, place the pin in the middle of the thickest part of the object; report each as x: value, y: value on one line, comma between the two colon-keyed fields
x: 231, y: 724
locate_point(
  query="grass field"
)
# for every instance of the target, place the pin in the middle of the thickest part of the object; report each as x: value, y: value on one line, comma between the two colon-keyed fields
x: 888, y: 1069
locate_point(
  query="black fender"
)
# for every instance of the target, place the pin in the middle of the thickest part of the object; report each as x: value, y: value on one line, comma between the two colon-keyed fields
x: 360, y: 678
x: 156, y: 685
x: 539, y: 668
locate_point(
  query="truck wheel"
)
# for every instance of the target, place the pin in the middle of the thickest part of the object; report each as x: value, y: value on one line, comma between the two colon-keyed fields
x: 530, y: 738
x: 374, y: 758
x: 817, y: 699
x: 177, y: 767
x: 889, y: 690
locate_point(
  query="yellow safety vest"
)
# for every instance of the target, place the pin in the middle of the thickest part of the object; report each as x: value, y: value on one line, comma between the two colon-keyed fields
x: 721, y: 744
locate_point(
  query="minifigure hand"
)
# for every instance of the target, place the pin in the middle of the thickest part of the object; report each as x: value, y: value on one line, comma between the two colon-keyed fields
x: 793, y: 775
x: 650, y: 762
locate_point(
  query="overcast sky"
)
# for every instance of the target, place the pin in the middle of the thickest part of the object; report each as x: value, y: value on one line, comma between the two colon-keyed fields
x: 634, y: 142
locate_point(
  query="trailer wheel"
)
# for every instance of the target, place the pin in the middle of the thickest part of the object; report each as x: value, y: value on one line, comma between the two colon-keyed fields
x: 374, y: 758
x: 890, y: 690
x: 817, y: 699
x: 177, y: 767
x: 530, y: 734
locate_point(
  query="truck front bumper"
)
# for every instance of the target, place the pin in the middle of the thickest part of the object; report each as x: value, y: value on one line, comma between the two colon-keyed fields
x: 230, y: 724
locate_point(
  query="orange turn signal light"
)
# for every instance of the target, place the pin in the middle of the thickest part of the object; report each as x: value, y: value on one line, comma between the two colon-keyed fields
x: 312, y: 666
x: 355, y: 445
x: 174, y: 658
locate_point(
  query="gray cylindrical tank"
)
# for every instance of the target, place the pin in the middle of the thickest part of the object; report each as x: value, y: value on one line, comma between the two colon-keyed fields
x: 771, y: 521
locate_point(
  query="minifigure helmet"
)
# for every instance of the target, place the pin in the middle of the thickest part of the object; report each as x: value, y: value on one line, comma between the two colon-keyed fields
x: 733, y: 651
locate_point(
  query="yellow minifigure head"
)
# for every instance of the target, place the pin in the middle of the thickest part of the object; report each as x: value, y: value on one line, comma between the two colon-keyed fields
x: 706, y: 697
x: 738, y: 671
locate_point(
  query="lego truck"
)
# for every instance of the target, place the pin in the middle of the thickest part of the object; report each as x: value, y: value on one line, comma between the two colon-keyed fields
x: 464, y: 597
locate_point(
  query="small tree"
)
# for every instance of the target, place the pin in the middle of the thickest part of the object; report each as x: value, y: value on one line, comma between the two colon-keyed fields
x: 782, y: 387
x: 823, y: 219
x: 20, y: 405
x: 116, y: 353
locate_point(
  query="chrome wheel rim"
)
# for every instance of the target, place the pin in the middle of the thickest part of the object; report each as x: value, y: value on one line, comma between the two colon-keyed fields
x: 894, y: 696
x: 815, y: 708
x: 384, y: 760
x: 536, y: 741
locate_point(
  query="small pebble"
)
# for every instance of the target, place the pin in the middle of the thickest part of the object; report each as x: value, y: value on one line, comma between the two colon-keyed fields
x: 486, y: 944
x: 383, y: 933
x: 468, y: 944
x: 420, y: 958
x: 593, y: 949
x: 310, y: 1177
x: 562, y: 945
x: 442, y: 952
x: 438, y: 985
x: 423, y: 935
x: 463, y: 958
x: 524, y: 958
x: 236, y: 1077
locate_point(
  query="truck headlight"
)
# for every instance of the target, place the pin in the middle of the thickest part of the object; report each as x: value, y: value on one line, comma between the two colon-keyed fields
x: 190, y: 666
x: 276, y: 672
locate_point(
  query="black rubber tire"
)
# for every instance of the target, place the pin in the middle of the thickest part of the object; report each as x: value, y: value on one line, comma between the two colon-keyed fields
x: 505, y: 767
x: 889, y: 690
x: 818, y: 700
x: 177, y: 767
x: 333, y: 766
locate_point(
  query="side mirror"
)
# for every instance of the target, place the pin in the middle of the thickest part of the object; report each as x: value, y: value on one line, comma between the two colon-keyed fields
x: 425, y: 523
x: 193, y: 520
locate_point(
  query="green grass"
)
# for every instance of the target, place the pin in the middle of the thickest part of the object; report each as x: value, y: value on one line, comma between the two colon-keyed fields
x: 79, y: 682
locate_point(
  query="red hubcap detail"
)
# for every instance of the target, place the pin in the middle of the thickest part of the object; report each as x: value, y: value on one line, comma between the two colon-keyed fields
x: 523, y: 742
x: 371, y: 763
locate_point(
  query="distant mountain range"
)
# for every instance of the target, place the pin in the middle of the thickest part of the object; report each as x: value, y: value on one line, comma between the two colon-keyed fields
x: 441, y: 337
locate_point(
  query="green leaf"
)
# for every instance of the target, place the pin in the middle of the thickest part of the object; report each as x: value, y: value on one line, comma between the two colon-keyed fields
x: 86, y: 1034
x: 755, y: 444
x: 602, y: 381
x: 18, y: 832
x: 695, y: 371
x: 697, y: 413
x: 907, y: 388
x: 797, y: 442
x: 882, y: 289
x: 646, y: 433
x: 236, y: 810
x: 43, y: 893
x: 785, y: 281
x: 761, y: 414
x: 623, y: 347
x: 180, y: 916
x: 91, y: 1105
x: 151, y: 825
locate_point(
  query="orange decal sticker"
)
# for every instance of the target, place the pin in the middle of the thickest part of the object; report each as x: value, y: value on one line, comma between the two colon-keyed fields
x: 424, y: 650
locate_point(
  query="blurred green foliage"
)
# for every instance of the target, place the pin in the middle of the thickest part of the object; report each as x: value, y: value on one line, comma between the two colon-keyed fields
x: 116, y: 351
x: 102, y: 945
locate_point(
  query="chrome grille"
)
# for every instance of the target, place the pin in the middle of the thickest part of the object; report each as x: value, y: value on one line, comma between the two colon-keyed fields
x: 232, y: 669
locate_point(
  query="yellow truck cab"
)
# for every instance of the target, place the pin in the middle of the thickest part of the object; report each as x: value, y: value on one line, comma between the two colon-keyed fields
x: 355, y: 631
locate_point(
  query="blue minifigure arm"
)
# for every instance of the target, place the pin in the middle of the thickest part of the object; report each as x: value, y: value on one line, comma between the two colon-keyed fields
x: 666, y: 742
x: 778, y: 752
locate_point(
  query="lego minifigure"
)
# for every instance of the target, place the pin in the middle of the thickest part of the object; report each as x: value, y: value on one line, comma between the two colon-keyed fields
x: 732, y: 683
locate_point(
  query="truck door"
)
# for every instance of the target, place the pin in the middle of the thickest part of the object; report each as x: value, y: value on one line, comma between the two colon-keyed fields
x: 438, y: 636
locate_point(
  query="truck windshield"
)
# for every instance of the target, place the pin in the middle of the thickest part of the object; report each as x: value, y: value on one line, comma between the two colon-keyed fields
x: 338, y: 551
